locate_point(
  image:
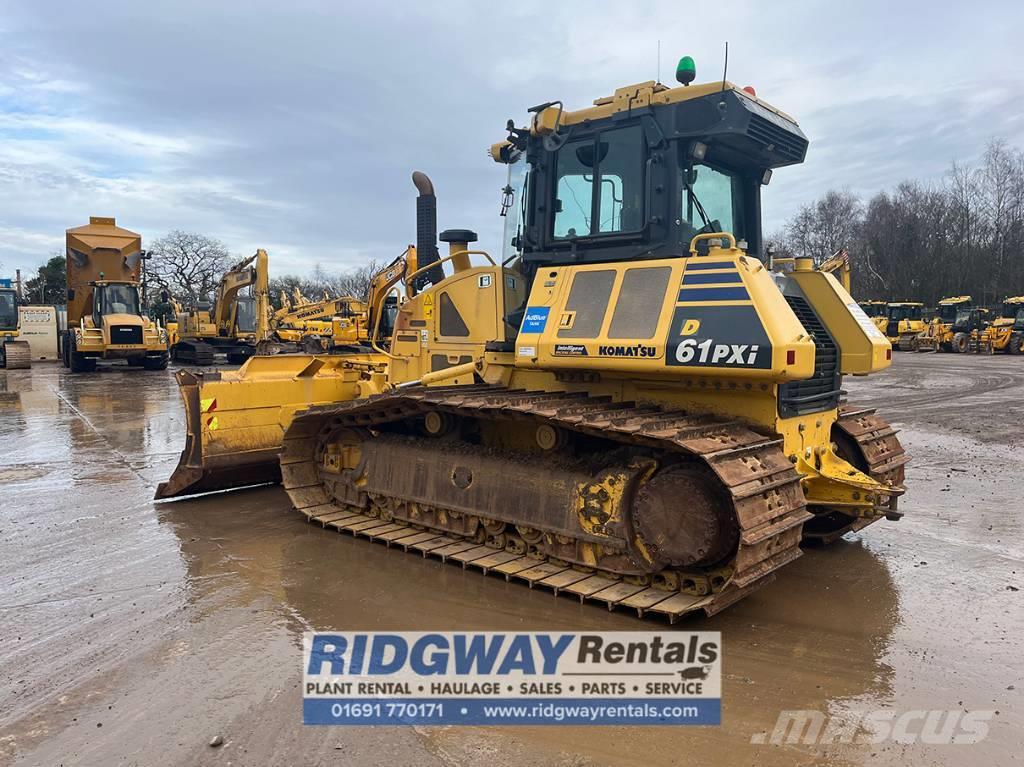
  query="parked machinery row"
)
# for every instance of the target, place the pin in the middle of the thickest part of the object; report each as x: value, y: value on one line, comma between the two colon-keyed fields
x: 955, y: 325
x: 105, y: 319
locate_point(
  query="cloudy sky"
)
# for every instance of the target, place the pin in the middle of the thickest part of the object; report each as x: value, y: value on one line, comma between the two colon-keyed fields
x: 295, y: 125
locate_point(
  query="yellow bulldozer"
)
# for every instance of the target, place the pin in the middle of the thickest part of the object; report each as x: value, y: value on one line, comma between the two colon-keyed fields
x: 633, y: 409
x: 234, y: 324
x: 14, y: 354
x: 104, y: 316
x: 904, y: 324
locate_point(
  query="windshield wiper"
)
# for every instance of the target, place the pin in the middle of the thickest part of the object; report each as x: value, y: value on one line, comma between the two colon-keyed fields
x: 700, y: 208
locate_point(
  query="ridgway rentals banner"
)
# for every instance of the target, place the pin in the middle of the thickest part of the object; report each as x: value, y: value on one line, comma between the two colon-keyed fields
x: 501, y: 678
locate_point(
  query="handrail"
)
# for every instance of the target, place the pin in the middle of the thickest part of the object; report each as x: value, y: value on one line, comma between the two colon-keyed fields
x: 711, y: 236
x: 449, y: 257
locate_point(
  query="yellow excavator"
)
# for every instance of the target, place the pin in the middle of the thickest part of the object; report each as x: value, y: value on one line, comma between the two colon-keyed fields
x: 838, y: 263
x: 312, y: 325
x: 236, y: 419
x: 234, y: 324
x: 14, y: 354
x: 104, y: 315
x: 376, y: 323
x: 633, y: 409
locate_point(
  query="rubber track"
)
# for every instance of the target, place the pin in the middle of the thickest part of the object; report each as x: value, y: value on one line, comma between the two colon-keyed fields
x: 768, y: 501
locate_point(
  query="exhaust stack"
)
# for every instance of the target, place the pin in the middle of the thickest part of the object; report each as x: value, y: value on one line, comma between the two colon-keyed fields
x: 426, y: 231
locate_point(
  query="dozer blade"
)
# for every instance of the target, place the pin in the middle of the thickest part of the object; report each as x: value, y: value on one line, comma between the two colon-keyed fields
x: 235, y: 420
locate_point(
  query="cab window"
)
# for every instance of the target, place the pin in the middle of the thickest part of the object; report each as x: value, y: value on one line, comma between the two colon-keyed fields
x: 712, y: 200
x: 599, y: 184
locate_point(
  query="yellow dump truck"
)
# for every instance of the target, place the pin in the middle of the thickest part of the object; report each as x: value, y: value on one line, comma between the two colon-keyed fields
x: 104, y: 318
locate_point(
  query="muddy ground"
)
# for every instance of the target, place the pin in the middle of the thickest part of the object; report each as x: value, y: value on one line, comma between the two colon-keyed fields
x: 134, y: 632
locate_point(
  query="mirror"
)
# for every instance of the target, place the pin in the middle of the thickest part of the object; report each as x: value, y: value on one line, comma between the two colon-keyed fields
x: 586, y: 154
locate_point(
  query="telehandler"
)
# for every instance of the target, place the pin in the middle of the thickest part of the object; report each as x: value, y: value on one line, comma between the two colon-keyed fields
x: 1003, y: 334
x: 104, y: 317
x: 632, y: 410
x: 940, y: 334
x: 14, y: 354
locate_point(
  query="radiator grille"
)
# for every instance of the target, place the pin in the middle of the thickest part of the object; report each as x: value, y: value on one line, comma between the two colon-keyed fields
x: 777, y: 139
x: 125, y: 334
x: 821, y: 391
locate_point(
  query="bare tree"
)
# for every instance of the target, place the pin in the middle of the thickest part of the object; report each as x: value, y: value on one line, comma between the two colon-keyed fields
x: 322, y: 282
x: 924, y: 241
x: 357, y: 281
x: 825, y: 226
x: 188, y: 265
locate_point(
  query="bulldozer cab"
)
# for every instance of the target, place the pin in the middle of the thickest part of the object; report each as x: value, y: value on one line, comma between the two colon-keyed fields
x: 8, y: 310
x: 642, y: 172
x: 874, y: 308
x: 903, y: 312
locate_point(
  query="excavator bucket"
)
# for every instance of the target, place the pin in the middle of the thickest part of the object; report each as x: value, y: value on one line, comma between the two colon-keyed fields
x: 235, y: 420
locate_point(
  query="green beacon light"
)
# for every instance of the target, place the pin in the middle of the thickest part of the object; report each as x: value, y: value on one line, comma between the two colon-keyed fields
x: 686, y: 70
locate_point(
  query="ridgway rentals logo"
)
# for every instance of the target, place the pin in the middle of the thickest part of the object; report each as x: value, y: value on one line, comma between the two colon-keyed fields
x: 611, y: 677
x: 932, y: 727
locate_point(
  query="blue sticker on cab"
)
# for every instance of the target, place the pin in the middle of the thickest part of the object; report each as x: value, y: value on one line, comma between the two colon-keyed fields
x: 535, y: 319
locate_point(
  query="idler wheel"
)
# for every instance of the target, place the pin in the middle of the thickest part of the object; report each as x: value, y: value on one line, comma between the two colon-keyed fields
x: 685, y: 518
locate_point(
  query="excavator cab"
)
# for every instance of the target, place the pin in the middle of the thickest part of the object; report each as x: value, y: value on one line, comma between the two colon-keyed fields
x: 8, y: 310
x: 245, y: 315
x: 14, y: 354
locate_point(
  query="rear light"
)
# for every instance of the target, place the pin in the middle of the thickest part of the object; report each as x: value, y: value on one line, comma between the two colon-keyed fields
x: 791, y: 357
x: 888, y: 354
